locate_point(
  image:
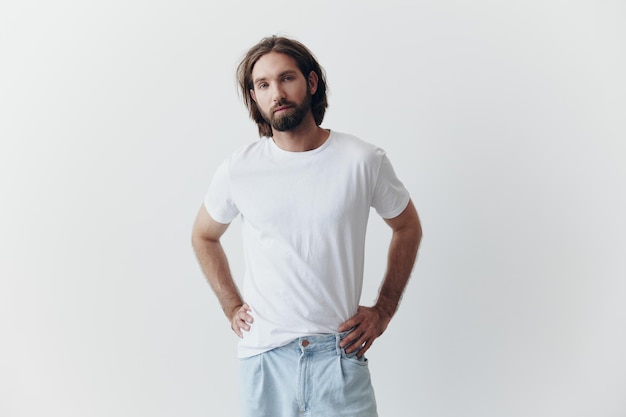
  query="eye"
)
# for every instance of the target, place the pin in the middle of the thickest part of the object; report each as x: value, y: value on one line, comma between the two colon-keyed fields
x: 262, y: 86
x: 288, y: 78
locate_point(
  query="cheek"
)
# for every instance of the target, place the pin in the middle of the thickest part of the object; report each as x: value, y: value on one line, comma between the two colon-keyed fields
x: 263, y: 104
x: 264, y: 98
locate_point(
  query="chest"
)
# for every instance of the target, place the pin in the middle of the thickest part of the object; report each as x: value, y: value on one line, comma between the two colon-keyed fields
x: 317, y: 194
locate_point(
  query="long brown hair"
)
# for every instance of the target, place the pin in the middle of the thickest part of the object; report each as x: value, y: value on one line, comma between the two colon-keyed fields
x: 306, y: 62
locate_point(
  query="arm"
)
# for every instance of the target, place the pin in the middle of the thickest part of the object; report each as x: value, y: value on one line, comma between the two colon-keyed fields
x: 370, y: 322
x: 206, y: 243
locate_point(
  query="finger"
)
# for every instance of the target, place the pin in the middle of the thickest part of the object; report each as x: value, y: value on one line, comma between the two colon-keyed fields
x: 358, y: 344
x: 364, y: 348
x: 243, y: 316
x: 242, y: 313
x: 350, y: 340
x: 238, y: 324
x: 243, y: 324
x: 346, y: 325
x: 353, y: 322
x: 237, y: 331
x: 363, y: 343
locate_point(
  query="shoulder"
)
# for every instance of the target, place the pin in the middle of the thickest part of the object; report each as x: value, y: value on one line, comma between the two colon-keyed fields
x: 354, y: 146
x: 250, y: 151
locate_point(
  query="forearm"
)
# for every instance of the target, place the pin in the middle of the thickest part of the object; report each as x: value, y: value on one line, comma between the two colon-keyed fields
x: 214, y: 264
x: 400, y: 260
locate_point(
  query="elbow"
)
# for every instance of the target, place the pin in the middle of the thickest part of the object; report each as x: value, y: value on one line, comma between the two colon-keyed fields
x: 200, y: 239
x: 197, y: 238
x: 416, y: 237
x: 418, y: 232
x: 195, y: 241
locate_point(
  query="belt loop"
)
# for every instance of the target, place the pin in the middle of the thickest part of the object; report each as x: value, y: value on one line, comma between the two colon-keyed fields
x: 337, y: 340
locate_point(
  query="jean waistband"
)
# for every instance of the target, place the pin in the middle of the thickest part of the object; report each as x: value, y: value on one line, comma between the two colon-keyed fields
x: 317, y: 342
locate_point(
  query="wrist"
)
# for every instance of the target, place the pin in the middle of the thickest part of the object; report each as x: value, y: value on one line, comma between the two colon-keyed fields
x: 231, y: 311
x: 386, y: 308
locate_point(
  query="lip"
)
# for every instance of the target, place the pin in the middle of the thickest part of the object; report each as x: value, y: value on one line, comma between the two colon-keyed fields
x: 282, y: 108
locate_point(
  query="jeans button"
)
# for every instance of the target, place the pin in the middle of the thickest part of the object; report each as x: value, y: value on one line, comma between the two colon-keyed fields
x: 305, y: 343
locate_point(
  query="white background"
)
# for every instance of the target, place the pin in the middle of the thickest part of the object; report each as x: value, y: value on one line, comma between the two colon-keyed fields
x: 505, y: 120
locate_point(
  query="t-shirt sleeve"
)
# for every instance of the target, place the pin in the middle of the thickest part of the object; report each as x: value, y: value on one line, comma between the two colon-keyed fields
x: 218, y: 200
x: 390, y: 196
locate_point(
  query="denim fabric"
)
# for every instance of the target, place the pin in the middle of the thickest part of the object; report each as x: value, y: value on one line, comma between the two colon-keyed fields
x: 311, y: 376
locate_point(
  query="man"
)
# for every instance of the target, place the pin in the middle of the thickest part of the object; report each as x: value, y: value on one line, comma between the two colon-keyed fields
x: 304, y: 195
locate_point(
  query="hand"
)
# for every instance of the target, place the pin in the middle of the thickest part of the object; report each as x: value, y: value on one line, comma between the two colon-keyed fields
x: 241, y: 320
x: 368, y: 323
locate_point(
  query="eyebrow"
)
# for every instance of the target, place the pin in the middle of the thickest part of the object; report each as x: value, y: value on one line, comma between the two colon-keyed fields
x: 282, y: 74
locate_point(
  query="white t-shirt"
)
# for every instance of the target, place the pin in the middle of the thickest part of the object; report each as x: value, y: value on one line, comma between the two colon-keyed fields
x: 304, y: 217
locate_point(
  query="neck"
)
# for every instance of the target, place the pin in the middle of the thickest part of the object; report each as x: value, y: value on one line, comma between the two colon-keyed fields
x: 306, y: 137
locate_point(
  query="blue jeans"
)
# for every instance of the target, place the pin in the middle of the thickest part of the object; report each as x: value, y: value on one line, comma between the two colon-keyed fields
x: 311, y: 376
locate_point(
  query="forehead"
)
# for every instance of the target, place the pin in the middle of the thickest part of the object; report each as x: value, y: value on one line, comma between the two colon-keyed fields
x: 273, y: 63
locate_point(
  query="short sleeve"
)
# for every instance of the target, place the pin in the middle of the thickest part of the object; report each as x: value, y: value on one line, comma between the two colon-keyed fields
x: 390, y: 196
x: 218, y: 200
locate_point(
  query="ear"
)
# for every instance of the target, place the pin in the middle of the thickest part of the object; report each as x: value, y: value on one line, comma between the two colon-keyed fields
x: 252, y: 94
x: 313, y: 81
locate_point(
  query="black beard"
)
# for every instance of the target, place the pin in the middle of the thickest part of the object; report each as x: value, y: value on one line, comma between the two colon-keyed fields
x: 291, y: 118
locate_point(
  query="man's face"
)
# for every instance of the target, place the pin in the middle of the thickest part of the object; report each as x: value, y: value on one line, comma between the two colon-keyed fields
x: 280, y: 91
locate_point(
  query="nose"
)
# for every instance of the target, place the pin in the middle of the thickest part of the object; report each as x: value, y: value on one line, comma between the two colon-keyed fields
x: 278, y: 93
